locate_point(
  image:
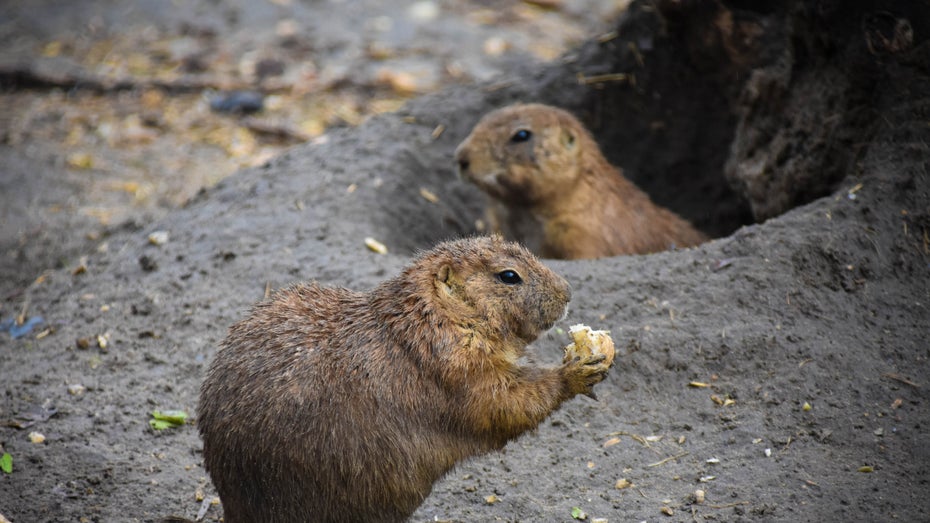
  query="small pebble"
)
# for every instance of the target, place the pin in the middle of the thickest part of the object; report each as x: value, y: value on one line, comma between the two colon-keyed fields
x: 77, y: 389
x: 237, y: 102
x: 424, y: 11
x: 495, y: 46
x: 158, y: 238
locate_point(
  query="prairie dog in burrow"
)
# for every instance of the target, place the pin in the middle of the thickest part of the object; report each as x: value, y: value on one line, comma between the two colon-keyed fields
x: 551, y: 188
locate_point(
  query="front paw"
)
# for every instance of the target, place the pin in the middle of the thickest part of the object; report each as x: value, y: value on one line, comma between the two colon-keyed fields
x: 582, y: 373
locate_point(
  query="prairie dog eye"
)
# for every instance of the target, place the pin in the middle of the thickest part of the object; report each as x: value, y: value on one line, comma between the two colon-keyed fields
x: 521, y: 136
x: 509, y: 277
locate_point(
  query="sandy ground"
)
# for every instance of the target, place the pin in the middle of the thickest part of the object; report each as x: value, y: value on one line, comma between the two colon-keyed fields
x: 807, y: 334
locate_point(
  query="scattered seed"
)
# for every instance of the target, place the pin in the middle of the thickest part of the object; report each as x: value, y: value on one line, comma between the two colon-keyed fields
x: 668, y: 511
x: 375, y: 245
x: 428, y: 195
x: 705, y: 479
x: 698, y: 496
x: 402, y: 82
x: 806, y: 407
x: 611, y: 442
x: 768, y: 453
x: 622, y: 483
x: 713, y: 461
x: 80, y: 161
x: 867, y: 468
x: 490, y: 500
x: 158, y: 238
x: 36, y: 437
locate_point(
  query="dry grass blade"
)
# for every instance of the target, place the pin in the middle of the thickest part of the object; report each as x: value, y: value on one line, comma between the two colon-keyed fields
x: 604, y: 78
x: 897, y: 377
x: 666, y: 460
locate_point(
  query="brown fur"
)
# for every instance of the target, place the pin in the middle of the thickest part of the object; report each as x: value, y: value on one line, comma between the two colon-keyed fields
x: 327, y: 404
x: 556, y: 193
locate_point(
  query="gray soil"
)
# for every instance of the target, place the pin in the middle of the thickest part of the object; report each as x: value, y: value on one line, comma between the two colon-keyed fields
x: 807, y: 334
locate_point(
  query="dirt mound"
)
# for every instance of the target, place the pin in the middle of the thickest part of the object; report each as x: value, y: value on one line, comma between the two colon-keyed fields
x: 779, y: 369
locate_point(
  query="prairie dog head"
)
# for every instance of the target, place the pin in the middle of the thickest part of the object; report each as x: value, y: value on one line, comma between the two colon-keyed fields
x: 494, y: 287
x: 523, y: 154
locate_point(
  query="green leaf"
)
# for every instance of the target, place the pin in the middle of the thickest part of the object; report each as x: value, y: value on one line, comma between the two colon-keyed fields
x: 176, y: 417
x: 167, y: 419
x: 6, y: 463
x: 577, y: 513
x: 160, y: 424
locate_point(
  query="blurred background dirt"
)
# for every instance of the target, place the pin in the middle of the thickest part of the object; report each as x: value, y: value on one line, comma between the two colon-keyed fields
x: 114, y: 113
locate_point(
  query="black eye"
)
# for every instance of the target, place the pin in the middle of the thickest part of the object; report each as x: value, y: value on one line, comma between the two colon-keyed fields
x: 521, y: 136
x: 509, y: 277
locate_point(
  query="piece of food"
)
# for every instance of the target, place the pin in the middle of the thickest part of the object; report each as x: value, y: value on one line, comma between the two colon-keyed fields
x: 588, y: 342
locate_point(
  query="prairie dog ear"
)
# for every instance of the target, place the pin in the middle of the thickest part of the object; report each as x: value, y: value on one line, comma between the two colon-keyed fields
x: 451, y: 293
x: 568, y: 139
x: 445, y: 281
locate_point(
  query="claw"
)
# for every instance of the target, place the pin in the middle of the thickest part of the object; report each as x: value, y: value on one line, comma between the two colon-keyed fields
x: 591, y: 395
